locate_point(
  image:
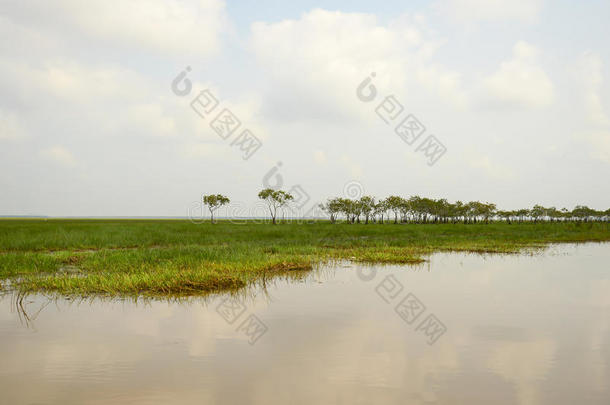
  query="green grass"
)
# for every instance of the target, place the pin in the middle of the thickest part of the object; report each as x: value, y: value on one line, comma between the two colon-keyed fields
x: 175, y: 257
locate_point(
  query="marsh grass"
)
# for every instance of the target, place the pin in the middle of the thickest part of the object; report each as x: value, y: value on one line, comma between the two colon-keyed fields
x: 178, y: 258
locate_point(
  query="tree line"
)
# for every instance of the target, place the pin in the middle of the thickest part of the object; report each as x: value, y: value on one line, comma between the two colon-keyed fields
x: 424, y: 210
x: 421, y: 210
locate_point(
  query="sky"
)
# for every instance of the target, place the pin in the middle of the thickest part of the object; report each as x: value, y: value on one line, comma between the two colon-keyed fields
x: 120, y: 108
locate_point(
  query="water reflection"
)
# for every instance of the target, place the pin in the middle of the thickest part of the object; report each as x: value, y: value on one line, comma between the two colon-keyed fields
x: 520, y: 330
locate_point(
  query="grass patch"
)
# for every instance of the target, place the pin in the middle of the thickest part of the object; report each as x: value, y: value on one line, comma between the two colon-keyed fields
x: 175, y: 257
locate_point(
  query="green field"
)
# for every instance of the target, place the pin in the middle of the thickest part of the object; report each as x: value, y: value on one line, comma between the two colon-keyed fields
x: 177, y: 257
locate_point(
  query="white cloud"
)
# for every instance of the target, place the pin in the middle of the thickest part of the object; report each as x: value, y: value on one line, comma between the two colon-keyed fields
x: 10, y: 128
x: 207, y: 150
x: 173, y: 26
x: 590, y: 76
x: 352, y: 166
x: 492, y: 170
x: 444, y: 82
x: 596, y: 124
x: 59, y: 155
x: 520, y: 82
x: 319, y: 157
x: 600, y: 142
x: 315, y: 63
x: 108, y: 100
x: 66, y: 80
x: 152, y: 118
x: 491, y: 10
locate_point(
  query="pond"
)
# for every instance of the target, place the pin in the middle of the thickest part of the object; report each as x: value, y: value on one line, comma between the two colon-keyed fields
x: 459, y: 329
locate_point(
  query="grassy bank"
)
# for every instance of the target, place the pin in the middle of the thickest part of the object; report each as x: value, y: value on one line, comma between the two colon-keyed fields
x: 173, y: 257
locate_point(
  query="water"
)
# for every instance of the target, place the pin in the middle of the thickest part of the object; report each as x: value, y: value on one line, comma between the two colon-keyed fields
x: 519, y: 330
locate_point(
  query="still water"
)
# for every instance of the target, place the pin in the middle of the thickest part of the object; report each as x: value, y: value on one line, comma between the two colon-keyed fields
x: 460, y: 329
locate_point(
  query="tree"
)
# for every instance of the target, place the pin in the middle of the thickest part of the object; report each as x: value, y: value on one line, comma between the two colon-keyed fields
x: 416, y: 207
x: 459, y: 210
x: 405, y: 210
x: 582, y: 212
x: 367, y: 206
x: 333, y: 207
x: 356, y: 207
x: 275, y: 199
x: 426, y: 208
x: 394, y: 203
x: 442, y: 210
x: 215, y: 201
x: 346, y: 207
x: 379, y: 209
x: 537, y: 212
x: 522, y: 213
x: 488, y: 211
x: 506, y: 215
x: 553, y: 213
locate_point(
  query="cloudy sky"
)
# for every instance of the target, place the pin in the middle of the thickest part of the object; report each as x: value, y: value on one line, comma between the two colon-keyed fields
x: 516, y: 91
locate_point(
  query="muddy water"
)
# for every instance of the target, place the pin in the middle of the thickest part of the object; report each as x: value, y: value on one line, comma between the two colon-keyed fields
x: 461, y: 329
